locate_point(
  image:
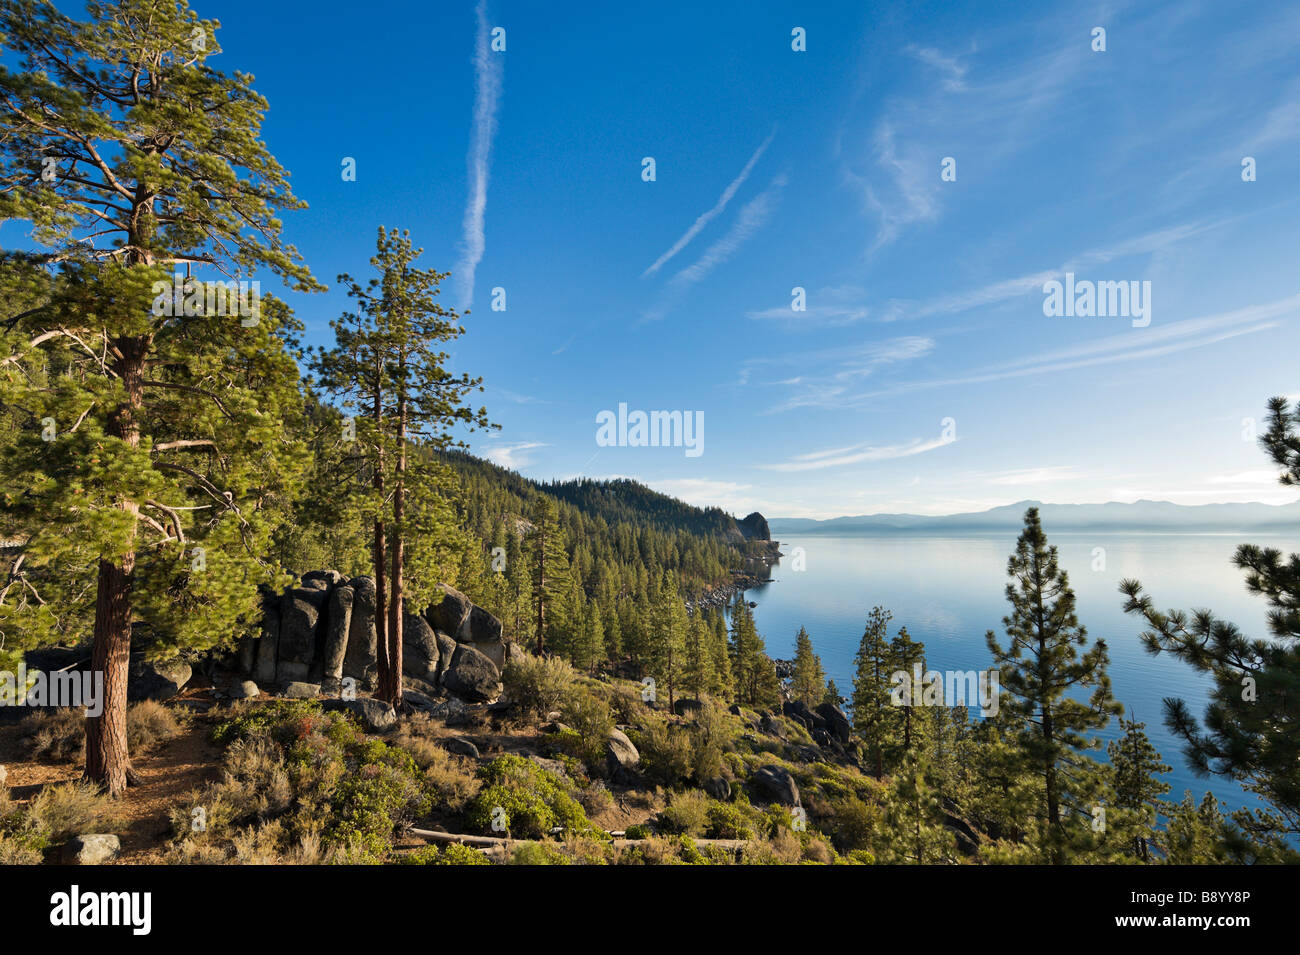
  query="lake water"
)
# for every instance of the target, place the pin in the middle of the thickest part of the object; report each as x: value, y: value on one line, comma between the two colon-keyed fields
x: 949, y: 589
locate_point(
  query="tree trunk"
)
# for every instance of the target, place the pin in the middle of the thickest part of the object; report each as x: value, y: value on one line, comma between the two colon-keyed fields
x: 108, y: 761
x: 381, y: 597
x: 541, y: 587
x: 381, y: 547
x: 390, y: 686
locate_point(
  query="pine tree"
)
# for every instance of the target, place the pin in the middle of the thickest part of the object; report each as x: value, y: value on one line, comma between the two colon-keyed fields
x: 668, y: 626
x: 550, y: 567
x: 387, y: 358
x: 833, y: 696
x: 719, y: 651
x: 1249, y: 732
x: 132, y: 156
x: 873, y: 715
x: 807, y: 683
x: 1135, y: 767
x: 1199, y: 834
x: 907, y: 656
x: 589, y: 647
x: 752, y: 669
x: 613, y: 632
x: 697, y: 672
x: 911, y: 830
x: 1039, y: 668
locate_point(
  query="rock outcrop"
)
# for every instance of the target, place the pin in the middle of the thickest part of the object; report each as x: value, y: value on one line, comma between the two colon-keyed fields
x: 754, y: 527
x: 472, y: 676
x: 620, y: 754
x: 776, y: 783
x: 155, y: 679
x: 322, y: 632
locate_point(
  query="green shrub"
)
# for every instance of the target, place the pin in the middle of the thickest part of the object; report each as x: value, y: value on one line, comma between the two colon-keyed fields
x: 276, y: 717
x: 590, y: 720
x: 727, y: 821
x: 538, y: 853
x: 665, y: 750
x: 53, y: 816
x: 451, y: 854
x: 534, y: 800
x: 298, y: 784
x: 689, y: 853
x: 538, y: 684
x: 687, y: 814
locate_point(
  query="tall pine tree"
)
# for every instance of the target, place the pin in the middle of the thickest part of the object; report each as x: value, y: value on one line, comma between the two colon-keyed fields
x: 132, y: 157
x: 1047, y: 659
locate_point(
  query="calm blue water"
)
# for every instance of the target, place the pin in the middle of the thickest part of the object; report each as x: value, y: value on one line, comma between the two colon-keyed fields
x: 949, y: 589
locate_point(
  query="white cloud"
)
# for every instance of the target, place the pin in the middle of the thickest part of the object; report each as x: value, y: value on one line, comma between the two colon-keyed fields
x: 836, y: 370
x: 1261, y: 477
x: 513, y: 456
x: 753, y: 216
x: 953, y: 71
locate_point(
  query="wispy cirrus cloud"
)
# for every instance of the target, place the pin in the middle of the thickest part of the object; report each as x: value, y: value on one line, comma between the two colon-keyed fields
x: 1004, y: 290
x: 1153, y: 342
x: 950, y: 68
x: 751, y: 218
x: 991, y: 106
x: 857, y: 454
x: 1029, y: 476
x: 708, y: 216
x: 488, y: 81
x: 827, y: 374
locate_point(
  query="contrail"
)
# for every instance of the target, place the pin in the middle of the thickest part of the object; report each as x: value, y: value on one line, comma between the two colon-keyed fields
x: 752, y: 217
x: 707, y: 217
x: 487, y: 78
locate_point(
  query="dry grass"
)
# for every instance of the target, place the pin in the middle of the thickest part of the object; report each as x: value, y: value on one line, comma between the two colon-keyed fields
x: 59, y: 736
x: 451, y: 777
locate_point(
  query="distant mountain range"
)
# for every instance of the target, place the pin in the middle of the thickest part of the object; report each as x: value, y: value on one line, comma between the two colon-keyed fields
x: 1136, y: 516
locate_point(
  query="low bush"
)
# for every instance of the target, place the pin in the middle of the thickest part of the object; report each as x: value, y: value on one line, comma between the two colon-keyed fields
x: 538, y: 853
x: 299, y: 785
x: 538, y: 685
x: 589, y: 718
x: 687, y: 814
x: 59, y: 736
x: 666, y: 750
x: 529, y: 800
x: 451, y: 854
x: 54, y: 815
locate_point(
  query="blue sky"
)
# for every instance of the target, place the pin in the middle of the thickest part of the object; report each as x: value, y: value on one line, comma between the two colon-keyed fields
x: 820, y: 169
